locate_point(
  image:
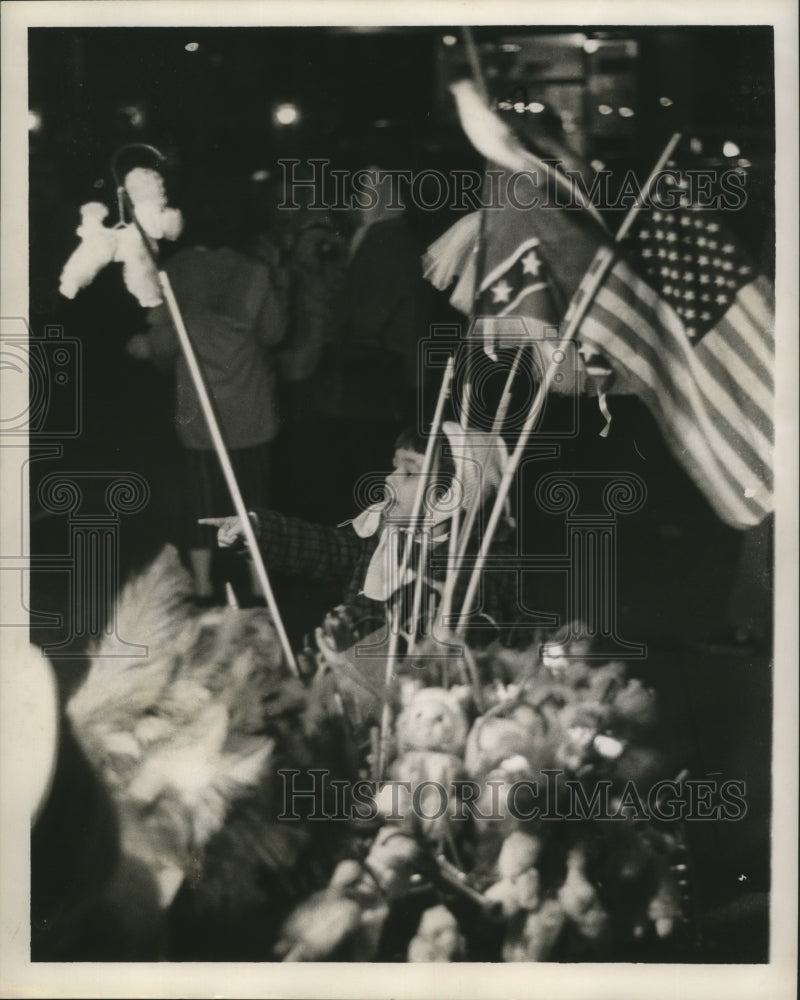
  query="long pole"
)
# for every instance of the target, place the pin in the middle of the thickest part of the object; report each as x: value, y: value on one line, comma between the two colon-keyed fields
x: 225, y: 462
x: 394, y: 632
x: 579, y: 306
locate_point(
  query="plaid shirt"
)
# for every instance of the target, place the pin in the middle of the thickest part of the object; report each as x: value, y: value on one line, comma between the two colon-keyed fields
x: 339, y: 556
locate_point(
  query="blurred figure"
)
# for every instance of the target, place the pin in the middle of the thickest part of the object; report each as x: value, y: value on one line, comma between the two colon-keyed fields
x: 235, y: 314
x: 315, y: 263
x: 368, y: 379
x: 382, y: 311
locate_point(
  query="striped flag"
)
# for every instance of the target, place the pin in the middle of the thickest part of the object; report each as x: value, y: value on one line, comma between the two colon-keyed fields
x: 683, y: 318
x: 686, y: 323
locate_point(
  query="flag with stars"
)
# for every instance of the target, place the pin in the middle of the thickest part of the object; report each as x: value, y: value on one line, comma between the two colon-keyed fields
x: 686, y: 323
x: 531, y: 259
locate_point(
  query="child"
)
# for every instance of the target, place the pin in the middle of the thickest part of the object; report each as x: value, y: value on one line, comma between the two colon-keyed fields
x: 363, y: 556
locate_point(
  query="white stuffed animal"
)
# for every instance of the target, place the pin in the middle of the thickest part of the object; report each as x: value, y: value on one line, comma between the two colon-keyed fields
x: 100, y: 245
x: 146, y: 190
x: 96, y: 249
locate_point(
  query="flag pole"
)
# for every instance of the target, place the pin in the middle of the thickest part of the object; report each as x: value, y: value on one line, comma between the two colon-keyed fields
x: 394, y: 634
x: 474, y: 59
x: 576, y: 312
x: 497, y: 426
x: 459, y: 535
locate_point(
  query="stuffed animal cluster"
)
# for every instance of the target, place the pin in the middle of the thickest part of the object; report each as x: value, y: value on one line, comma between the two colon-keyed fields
x: 101, y: 245
x: 450, y: 865
x: 541, y: 890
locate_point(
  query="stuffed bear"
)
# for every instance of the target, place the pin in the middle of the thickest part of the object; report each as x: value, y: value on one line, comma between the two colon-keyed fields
x: 434, y: 719
x: 431, y: 734
x: 518, y: 886
x: 438, y: 938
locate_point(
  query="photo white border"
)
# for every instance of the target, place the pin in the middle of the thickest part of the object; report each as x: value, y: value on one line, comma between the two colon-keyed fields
x: 775, y: 981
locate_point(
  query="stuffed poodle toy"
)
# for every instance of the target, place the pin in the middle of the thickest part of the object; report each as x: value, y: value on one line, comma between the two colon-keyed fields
x: 100, y: 245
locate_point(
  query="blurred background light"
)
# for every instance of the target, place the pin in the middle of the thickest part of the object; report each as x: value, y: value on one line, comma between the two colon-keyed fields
x: 286, y: 114
x: 134, y: 114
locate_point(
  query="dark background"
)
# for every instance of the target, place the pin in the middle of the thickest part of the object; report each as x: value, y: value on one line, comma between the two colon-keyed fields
x: 383, y: 91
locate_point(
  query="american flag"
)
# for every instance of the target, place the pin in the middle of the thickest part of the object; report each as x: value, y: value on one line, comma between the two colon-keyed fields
x: 684, y: 320
x: 686, y: 323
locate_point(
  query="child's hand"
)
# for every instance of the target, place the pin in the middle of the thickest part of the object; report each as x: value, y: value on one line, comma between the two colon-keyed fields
x: 230, y: 531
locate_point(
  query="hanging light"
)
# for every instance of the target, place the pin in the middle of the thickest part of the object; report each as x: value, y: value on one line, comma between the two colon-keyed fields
x: 591, y: 45
x: 535, y: 107
x: 449, y: 40
x: 192, y: 46
x: 665, y: 102
x: 626, y: 112
x: 729, y: 148
x: 604, y: 109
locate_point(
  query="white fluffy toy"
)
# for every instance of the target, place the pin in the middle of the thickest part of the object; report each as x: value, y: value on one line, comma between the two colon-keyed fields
x: 97, y: 248
x: 100, y: 245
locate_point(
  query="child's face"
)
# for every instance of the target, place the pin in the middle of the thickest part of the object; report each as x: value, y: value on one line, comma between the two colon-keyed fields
x: 402, y: 484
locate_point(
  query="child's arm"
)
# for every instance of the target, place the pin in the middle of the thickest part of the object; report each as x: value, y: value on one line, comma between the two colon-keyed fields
x: 296, y: 547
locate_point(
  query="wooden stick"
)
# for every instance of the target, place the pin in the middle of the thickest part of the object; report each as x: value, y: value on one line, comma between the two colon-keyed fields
x: 394, y: 636
x: 419, y: 586
x: 227, y: 468
x: 579, y: 306
x: 497, y: 423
